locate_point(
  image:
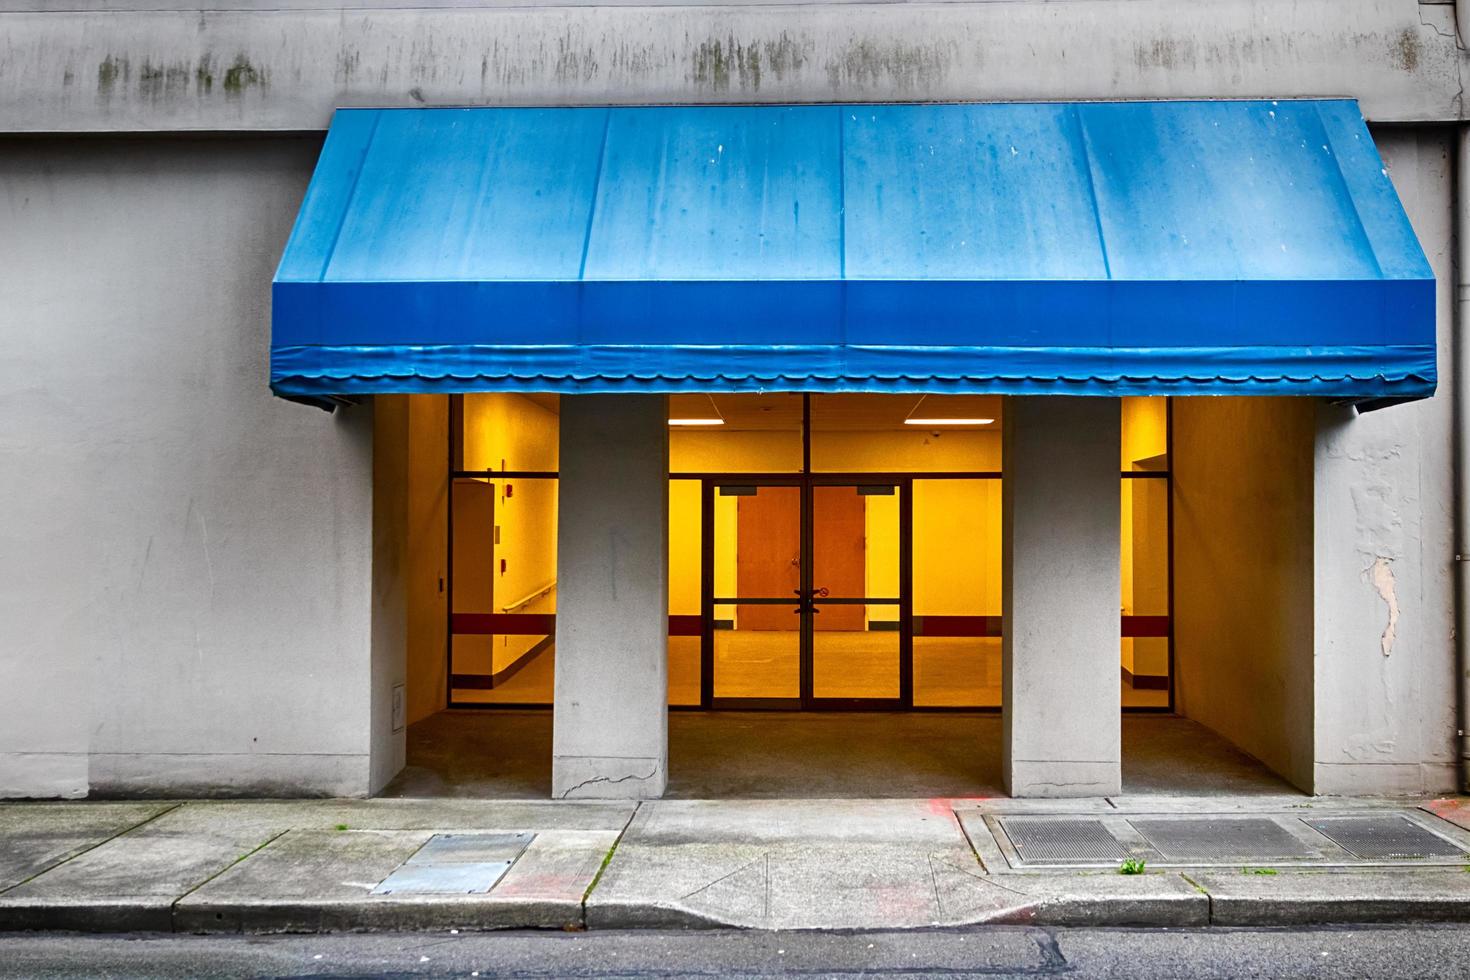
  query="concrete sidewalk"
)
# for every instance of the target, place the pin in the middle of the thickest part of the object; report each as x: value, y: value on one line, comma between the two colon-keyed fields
x: 312, y: 866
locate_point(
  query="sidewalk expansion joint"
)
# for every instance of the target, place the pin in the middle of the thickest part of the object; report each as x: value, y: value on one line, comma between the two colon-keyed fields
x: 606, y: 860
x: 965, y: 833
x: 1209, y: 899
x: 92, y: 847
x: 174, y: 905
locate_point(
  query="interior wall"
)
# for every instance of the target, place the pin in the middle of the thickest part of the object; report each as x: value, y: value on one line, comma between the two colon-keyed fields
x: 1243, y: 601
x: 426, y: 577
x: 185, y: 561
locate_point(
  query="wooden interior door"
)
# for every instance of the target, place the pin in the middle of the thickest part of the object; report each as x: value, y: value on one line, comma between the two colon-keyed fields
x: 768, y: 557
x: 839, y: 555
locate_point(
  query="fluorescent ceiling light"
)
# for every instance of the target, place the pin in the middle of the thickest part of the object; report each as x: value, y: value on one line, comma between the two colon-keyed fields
x: 696, y: 421
x: 947, y: 421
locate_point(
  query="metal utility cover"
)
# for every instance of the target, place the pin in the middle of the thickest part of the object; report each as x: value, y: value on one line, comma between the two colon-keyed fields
x: 443, y: 879
x: 471, y: 848
x: 1221, y: 839
x: 1068, y: 841
x: 1381, y: 837
x: 456, y: 864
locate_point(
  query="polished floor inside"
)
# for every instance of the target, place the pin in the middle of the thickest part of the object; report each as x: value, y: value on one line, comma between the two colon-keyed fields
x: 813, y: 755
x: 949, y: 672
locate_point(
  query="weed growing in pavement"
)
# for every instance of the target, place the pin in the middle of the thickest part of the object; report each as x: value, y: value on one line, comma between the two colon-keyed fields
x: 1258, y: 871
x: 1132, y: 866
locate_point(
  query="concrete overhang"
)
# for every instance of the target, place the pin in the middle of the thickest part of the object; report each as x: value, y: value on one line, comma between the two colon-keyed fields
x: 156, y: 66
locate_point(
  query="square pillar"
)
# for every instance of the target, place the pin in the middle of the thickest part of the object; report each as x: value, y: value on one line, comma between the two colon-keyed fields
x: 1061, y: 597
x: 610, y: 724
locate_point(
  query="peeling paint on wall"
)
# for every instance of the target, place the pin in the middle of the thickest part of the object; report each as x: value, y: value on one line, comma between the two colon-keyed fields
x: 1383, y: 582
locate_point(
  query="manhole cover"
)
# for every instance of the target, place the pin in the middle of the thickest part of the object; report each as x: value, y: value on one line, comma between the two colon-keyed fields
x: 1382, y: 837
x: 1247, y: 839
x: 1049, y: 841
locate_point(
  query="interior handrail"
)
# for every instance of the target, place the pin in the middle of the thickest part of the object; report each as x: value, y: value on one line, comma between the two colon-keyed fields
x: 546, y: 589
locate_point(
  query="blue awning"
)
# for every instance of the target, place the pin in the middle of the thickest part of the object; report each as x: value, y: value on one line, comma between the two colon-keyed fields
x: 1097, y: 249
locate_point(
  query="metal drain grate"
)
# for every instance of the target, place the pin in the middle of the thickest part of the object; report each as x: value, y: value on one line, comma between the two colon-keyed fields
x: 1049, y: 841
x: 1382, y: 837
x: 1244, y: 839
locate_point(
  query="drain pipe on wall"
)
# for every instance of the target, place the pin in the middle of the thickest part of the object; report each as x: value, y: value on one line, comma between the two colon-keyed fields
x: 1460, y: 400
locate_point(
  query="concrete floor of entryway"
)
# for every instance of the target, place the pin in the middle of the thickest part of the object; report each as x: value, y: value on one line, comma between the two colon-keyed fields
x: 506, y: 754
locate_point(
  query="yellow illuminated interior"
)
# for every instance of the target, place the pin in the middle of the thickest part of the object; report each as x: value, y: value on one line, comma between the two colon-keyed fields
x: 956, y: 545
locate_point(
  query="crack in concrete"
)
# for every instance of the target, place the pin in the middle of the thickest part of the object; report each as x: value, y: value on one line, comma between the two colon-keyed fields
x: 566, y: 794
x: 1454, y: 35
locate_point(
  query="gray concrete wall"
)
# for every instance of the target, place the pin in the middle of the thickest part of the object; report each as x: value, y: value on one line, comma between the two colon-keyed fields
x: 185, y: 561
x: 610, y: 736
x: 161, y: 65
x: 1385, y: 546
x: 1243, y: 574
x: 1060, y: 597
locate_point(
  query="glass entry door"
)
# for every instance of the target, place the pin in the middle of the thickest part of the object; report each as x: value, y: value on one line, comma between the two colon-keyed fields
x: 855, y: 609
x: 754, y: 633
x: 805, y: 585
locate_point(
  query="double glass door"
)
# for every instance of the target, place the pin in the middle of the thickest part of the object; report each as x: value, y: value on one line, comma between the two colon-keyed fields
x: 805, y: 594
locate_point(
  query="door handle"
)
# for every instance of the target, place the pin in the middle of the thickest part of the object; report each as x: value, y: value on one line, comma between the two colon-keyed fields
x: 804, y: 601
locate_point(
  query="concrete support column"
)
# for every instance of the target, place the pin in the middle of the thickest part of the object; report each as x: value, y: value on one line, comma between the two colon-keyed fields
x: 610, y: 728
x: 1061, y: 597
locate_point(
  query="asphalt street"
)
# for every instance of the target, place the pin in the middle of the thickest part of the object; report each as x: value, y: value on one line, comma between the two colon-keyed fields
x: 1422, y: 951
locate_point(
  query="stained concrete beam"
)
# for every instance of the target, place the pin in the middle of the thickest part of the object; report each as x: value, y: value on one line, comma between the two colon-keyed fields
x: 286, y: 68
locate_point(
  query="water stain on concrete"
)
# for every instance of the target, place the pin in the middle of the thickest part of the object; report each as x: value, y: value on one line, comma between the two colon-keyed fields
x: 242, y: 75
x: 110, y: 72
x: 1406, y: 49
x: 720, y: 64
x: 908, y: 68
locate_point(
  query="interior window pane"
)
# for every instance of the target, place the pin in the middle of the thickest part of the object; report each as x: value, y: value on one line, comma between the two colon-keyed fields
x: 509, y: 432
x: 1145, y: 569
x: 504, y: 574
x: 685, y: 601
x: 864, y: 433
x: 956, y: 593
x: 1145, y: 444
x: 735, y: 433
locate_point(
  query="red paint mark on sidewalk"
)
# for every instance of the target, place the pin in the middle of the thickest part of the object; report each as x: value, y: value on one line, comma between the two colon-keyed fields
x: 1456, y: 810
x: 942, y: 805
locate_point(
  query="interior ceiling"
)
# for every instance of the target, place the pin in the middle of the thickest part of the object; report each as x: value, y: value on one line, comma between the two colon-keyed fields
x: 849, y: 412
x: 830, y: 413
